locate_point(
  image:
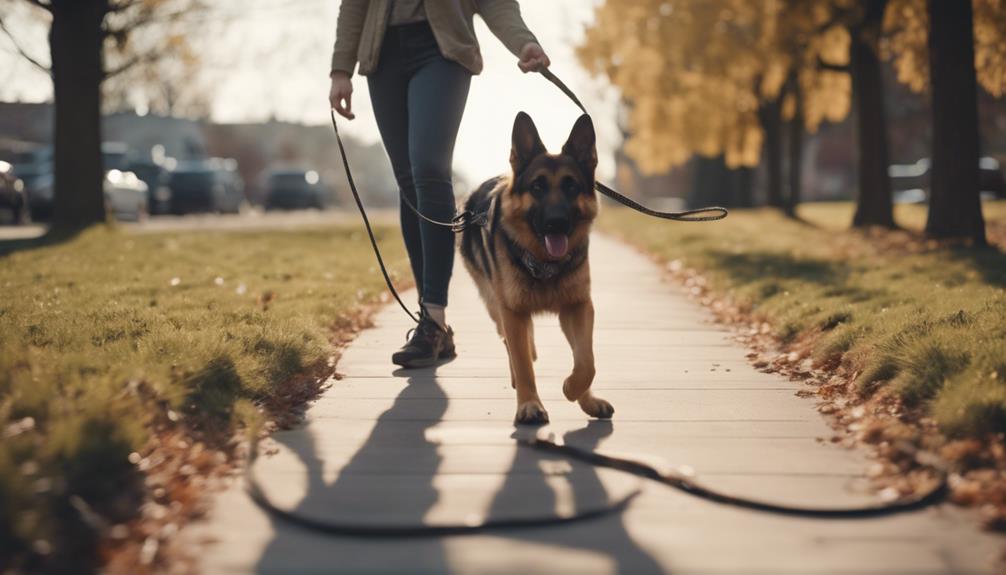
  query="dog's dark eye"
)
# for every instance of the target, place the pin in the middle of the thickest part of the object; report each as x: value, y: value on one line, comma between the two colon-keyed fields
x: 539, y: 186
x: 570, y: 187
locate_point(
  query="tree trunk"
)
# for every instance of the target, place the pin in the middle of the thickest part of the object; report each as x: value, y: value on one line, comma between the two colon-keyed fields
x: 770, y: 115
x: 795, y: 142
x: 955, y: 209
x: 742, y: 187
x: 712, y: 183
x: 76, y: 45
x: 874, y: 206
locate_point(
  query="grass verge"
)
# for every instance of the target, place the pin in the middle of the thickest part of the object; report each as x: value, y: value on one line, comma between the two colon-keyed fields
x: 921, y: 320
x: 902, y: 339
x: 128, y: 361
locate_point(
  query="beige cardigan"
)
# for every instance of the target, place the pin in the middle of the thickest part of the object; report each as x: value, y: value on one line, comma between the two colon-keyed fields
x: 362, y: 23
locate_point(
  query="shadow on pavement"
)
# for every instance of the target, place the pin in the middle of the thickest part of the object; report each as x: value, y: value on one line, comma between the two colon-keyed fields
x: 356, y: 487
x: 408, y: 493
x: 606, y: 535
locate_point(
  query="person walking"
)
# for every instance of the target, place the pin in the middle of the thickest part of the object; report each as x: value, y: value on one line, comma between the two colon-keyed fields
x: 419, y: 57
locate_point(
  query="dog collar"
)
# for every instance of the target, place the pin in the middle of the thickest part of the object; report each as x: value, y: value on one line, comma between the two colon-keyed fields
x: 539, y: 270
x: 543, y: 270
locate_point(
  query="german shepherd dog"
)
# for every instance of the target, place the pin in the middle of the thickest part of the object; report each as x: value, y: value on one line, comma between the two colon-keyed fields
x: 531, y: 258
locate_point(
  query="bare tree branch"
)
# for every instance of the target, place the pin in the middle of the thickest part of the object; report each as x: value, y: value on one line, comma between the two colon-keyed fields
x: 21, y: 51
x: 821, y: 64
x: 144, y: 20
x: 145, y: 58
x: 122, y: 7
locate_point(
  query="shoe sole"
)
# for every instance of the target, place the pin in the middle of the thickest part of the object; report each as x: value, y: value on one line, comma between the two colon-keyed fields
x: 427, y: 362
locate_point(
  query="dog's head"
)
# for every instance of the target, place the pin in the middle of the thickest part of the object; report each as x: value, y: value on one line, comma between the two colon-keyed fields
x: 551, y: 202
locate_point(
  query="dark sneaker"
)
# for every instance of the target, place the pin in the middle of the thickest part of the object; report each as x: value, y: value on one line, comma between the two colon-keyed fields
x: 429, y: 344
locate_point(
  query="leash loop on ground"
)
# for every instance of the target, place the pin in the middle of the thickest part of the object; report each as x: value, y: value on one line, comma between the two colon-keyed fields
x: 404, y: 530
x: 676, y: 480
x: 689, y: 485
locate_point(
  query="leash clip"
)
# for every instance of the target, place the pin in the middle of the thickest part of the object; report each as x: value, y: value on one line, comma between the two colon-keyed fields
x: 466, y: 219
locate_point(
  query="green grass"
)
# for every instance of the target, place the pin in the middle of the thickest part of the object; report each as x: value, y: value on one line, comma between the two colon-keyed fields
x: 927, y: 322
x: 101, y: 334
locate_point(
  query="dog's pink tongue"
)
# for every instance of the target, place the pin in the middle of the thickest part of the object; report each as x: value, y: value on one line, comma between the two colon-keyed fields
x: 556, y: 244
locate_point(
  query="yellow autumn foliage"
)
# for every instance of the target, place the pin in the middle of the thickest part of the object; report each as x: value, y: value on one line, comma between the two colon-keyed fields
x: 695, y: 72
x: 906, y: 24
x: 990, y: 45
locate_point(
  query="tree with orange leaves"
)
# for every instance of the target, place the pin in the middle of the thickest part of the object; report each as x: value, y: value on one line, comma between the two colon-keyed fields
x: 718, y: 77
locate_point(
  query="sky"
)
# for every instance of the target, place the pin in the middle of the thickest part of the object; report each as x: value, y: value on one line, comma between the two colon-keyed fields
x: 272, y: 60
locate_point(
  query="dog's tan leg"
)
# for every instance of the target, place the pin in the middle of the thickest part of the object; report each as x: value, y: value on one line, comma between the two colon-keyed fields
x: 494, y: 315
x: 577, y: 323
x: 513, y: 377
x: 530, y: 336
x: 516, y: 327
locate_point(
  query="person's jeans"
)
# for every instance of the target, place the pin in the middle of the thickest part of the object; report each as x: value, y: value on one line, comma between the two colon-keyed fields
x: 419, y: 97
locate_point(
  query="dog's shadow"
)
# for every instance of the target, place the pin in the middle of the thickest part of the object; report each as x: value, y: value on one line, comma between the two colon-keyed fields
x: 408, y: 491
x: 606, y: 534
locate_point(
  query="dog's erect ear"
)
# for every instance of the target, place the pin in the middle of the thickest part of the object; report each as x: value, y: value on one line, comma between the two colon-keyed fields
x: 581, y: 145
x: 526, y: 143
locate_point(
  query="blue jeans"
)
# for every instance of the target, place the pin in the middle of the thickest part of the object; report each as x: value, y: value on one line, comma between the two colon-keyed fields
x: 418, y: 98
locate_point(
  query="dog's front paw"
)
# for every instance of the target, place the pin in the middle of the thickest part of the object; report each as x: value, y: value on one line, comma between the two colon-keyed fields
x: 596, y: 407
x: 531, y: 413
x: 578, y: 383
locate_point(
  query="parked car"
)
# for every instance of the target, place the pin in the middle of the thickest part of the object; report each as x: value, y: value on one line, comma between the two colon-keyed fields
x: 910, y: 182
x: 125, y: 195
x: 991, y: 178
x: 34, y: 169
x: 115, y: 156
x: 157, y: 178
x: 13, y: 200
x: 910, y: 196
x: 206, y: 186
x: 295, y: 189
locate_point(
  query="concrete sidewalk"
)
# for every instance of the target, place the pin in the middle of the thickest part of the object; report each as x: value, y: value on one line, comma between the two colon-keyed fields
x: 436, y: 446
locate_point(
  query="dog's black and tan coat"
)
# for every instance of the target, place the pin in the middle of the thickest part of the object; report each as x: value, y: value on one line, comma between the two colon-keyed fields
x: 531, y: 258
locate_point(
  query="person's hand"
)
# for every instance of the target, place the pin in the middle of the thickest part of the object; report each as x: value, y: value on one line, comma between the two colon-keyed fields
x: 341, y: 95
x: 532, y: 58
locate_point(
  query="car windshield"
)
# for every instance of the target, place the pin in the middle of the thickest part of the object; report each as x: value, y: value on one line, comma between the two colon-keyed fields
x: 30, y: 164
x: 288, y: 180
x: 115, y: 160
x: 192, y: 179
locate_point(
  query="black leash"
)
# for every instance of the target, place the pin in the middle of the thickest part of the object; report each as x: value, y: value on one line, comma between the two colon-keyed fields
x: 684, y: 482
x: 680, y: 481
x: 395, y: 531
x: 366, y: 221
x: 717, y: 213
x: 467, y: 219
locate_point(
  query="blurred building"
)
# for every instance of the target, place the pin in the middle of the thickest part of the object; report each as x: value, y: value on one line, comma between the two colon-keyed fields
x: 262, y: 147
x: 25, y: 126
x: 181, y: 138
